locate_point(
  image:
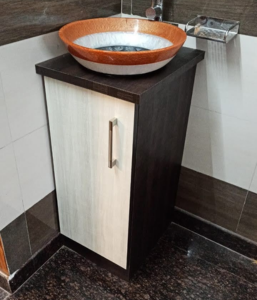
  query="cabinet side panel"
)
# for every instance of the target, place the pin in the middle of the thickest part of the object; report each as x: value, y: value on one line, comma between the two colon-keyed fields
x: 93, y: 200
x: 162, y: 123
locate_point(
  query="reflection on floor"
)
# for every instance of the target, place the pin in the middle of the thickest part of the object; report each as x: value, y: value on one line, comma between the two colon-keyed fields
x: 184, y: 265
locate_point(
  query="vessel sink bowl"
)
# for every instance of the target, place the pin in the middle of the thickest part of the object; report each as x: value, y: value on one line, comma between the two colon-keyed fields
x: 122, y: 46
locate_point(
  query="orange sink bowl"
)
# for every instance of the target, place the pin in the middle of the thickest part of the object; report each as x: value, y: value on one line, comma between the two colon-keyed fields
x: 102, y: 44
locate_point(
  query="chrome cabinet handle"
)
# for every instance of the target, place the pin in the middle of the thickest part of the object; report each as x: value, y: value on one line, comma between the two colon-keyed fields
x: 111, y: 161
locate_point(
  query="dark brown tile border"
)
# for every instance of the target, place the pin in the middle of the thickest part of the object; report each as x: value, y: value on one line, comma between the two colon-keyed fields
x: 220, y: 204
x: 211, y: 199
x: 139, y: 7
x: 24, y: 19
x: 42, y: 221
x: 30, y: 232
x: 37, y: 230
x: 126, y: 7
x: 248, y: 222
x: 16, y: 243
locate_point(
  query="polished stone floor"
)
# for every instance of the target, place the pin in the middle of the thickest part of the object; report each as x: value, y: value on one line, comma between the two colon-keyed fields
x: 184, y: 265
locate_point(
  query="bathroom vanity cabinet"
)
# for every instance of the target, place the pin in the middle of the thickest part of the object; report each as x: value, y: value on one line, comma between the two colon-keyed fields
x: 117, y: 145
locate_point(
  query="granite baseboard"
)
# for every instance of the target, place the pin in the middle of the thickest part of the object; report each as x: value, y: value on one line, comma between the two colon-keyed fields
x: 30, y: 232
x: 13, y: 282
x: 215, y: 233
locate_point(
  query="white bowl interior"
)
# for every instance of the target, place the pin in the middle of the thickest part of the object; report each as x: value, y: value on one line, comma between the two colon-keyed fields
x: 120, y: 38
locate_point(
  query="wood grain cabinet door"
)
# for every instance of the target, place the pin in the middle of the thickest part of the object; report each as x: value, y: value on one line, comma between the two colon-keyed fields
x: 93, y: 199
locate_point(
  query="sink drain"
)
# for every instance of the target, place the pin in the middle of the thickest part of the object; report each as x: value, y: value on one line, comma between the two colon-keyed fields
x: 122, y: 48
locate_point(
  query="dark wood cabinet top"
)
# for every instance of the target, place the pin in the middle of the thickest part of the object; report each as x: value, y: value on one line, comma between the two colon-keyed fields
x: 130, y: 88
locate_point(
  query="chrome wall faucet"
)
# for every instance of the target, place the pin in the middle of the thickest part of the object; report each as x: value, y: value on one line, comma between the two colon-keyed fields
x: 154, y: 12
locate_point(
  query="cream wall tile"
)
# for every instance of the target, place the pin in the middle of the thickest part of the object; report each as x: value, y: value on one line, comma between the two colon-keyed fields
x: 226, y: 79
x: 10, y: 195
x: 5, y: 136
x: 34, y: 164
x: 22, y: 111
x: 221, y: 139
x: 22, y: 87
x: 221, y: 146
x: 24, y: 101
x: 33, y: 50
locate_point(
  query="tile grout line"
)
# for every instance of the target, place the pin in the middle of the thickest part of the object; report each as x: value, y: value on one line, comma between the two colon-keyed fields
x: 16, y: 167
x: 240, y: 217
x: 6, y: 110
x: 241, y: 213
x: 18, y: 174
x: 22, y: 199
x: 8, y: 119
x: 22, y: 195
x: 14, y: 141
x: 222, y: 114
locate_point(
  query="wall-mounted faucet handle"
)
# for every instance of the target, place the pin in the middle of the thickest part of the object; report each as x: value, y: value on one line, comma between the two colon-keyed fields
x: 154, y: 12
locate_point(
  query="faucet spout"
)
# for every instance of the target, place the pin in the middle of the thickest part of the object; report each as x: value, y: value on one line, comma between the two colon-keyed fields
x: 154, y: 13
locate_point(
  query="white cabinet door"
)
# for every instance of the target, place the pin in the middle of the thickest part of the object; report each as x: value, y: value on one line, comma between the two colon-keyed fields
x: 93, y: 200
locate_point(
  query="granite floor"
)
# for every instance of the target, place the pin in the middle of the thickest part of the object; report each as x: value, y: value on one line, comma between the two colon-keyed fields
x: 184, y: 265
